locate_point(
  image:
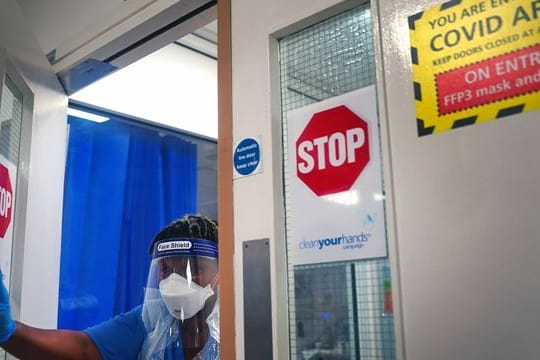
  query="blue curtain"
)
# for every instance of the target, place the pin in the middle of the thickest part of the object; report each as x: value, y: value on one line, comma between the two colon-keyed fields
x: 123, y: 184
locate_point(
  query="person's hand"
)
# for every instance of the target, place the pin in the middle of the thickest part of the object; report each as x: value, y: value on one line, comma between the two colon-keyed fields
x: 7, y: 325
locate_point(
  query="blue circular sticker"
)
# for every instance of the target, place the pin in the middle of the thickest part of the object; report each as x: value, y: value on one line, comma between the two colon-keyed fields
x: 247, y: 156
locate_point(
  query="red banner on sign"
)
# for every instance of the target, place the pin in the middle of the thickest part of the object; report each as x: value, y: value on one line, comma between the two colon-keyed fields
x: 491, y: 80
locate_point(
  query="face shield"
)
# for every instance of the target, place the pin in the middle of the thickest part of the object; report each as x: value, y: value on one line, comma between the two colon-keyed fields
x: 180, y: 305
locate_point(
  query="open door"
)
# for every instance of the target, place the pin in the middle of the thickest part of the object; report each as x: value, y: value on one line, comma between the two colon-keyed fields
x: 16, y: 106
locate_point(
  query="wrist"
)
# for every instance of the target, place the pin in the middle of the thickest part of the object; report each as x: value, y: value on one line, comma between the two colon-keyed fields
x: 7, y: 331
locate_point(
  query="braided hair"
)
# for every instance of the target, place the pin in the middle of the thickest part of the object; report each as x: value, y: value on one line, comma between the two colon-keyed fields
x: 190, y: 226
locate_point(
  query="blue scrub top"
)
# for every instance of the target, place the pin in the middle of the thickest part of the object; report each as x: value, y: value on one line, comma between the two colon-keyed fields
x: 122, y: 337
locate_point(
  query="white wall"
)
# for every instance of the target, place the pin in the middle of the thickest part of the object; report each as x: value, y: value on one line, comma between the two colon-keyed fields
x: 466, y: 205
x: 174, y: 86
x: 463, y: 205
x: 47, y: 159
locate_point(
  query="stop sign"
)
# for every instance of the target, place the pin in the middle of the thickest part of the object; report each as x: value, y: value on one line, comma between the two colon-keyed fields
x: 6, y: 197
x: 332, y: 150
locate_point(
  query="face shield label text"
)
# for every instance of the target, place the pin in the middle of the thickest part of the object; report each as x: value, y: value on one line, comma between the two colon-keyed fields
x: 174, y: 245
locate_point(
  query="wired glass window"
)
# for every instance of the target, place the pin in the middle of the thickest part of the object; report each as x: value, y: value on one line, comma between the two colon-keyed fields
x: 10, y: 121
x: 337, y: 310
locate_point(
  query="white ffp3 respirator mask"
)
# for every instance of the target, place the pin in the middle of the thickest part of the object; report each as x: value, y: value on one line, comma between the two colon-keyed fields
x: 183, y: 299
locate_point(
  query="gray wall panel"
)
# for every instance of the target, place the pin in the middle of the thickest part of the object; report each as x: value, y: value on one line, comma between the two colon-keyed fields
x: 257, y: 300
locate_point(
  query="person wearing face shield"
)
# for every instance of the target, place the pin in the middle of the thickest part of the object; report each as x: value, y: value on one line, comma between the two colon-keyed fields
x: 179, y: 318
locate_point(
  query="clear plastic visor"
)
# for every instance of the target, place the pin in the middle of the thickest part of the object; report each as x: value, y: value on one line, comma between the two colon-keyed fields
x: 201, y: 270
x: 180, y: 306
x: 193, y: 259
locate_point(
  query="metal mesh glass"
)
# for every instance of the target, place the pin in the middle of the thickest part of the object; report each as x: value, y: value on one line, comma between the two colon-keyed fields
x: 336, y: 310
x: 10, y: 121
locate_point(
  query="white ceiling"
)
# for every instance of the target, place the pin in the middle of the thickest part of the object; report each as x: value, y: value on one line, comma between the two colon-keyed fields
x: 203, y: 40
x: 173, y: 86
x: 69, y: 31
x: 65, y: 26
x: 58, y: 22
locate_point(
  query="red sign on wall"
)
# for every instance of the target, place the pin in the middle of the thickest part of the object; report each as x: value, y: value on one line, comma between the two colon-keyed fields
x: 334, y: 197
x: 474, y: 61
x: 6, y: 200
x: 332, y: 150
x: 501, y: 77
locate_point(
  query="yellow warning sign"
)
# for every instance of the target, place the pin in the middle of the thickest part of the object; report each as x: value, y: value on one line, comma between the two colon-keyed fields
x: 474, y: 61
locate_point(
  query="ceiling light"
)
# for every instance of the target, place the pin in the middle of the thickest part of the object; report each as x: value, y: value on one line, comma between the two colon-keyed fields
x: 86, y: 115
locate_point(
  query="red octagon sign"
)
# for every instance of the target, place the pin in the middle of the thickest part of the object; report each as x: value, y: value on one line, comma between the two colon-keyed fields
x: 332, y: 150
x: 6, y: 197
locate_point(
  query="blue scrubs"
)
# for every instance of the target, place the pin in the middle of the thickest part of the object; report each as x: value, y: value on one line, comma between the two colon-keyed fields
x: 122, y: 337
